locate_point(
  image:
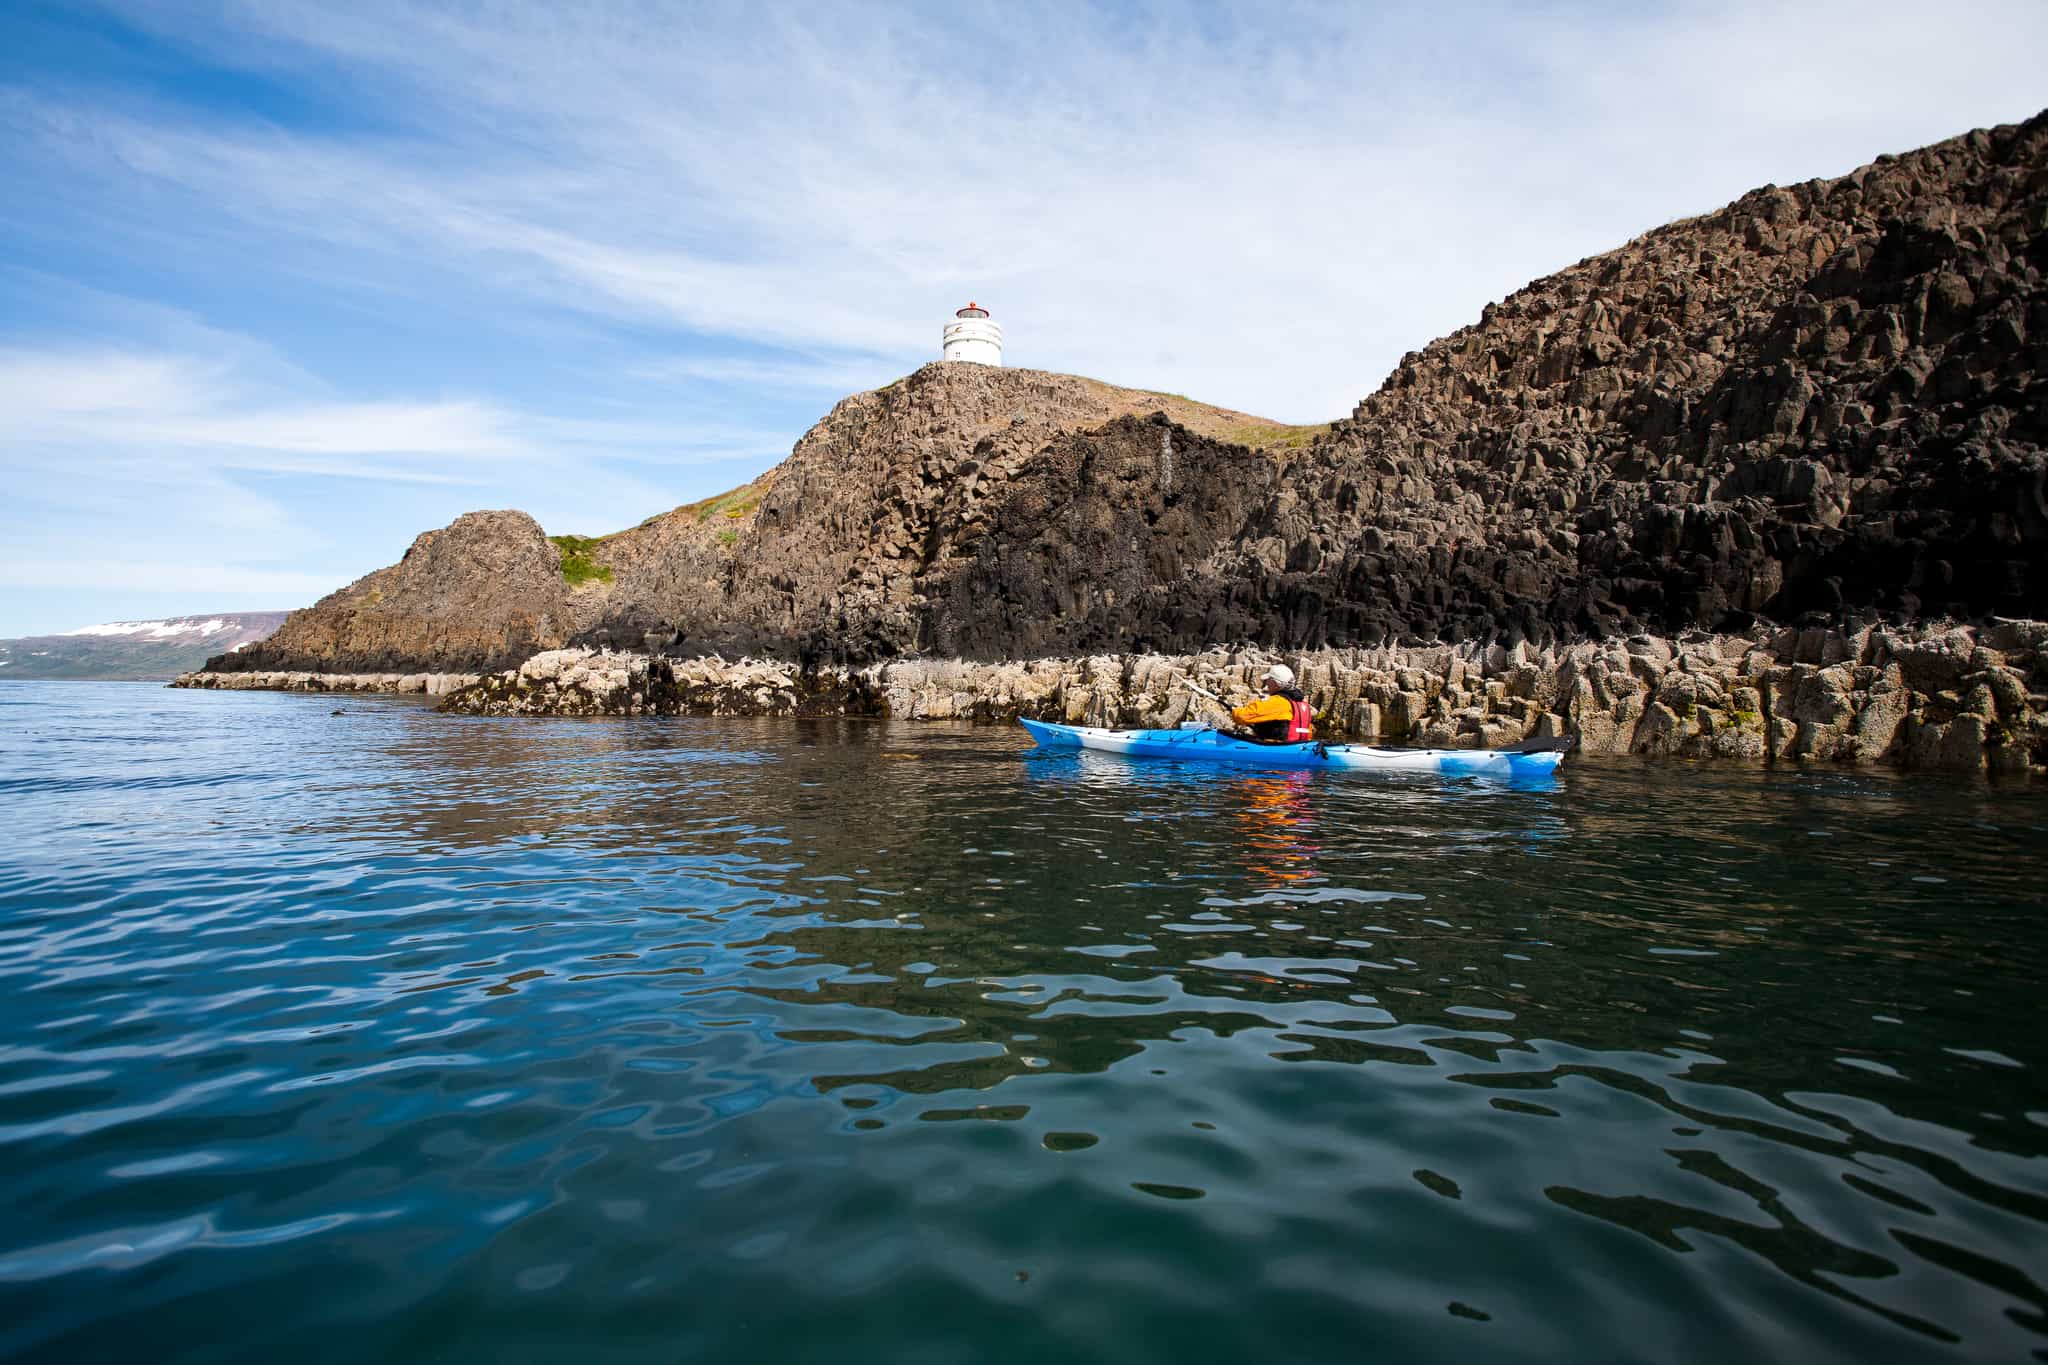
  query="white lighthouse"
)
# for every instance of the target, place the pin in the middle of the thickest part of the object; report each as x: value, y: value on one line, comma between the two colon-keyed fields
x: 973, y: 337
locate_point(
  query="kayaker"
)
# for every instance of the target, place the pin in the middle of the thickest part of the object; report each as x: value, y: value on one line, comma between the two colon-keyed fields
x: 1282, y: 715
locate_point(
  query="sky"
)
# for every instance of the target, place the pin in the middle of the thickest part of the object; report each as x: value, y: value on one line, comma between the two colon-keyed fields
x: 283, y: 285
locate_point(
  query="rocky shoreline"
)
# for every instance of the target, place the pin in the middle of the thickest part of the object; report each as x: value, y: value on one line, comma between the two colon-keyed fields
x: 1954, y: 697
x: 284, y: 680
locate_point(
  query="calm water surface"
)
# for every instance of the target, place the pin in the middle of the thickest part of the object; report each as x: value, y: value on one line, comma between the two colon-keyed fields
x: 385, y: 1035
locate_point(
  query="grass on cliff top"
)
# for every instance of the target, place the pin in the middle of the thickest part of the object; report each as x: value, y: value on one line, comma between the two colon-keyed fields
x: 1218, y: 424
x: 731, y: 505
x: 1273, y: 436
x: 579, y: 564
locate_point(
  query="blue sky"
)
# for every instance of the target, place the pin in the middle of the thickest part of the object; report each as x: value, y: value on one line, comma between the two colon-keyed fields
x: 282, y: 285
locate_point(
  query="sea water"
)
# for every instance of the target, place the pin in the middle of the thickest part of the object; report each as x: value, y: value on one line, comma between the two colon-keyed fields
x: 335, y: 1029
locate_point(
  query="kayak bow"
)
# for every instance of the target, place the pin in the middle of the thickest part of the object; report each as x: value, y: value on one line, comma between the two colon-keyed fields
x: 1537, y: 759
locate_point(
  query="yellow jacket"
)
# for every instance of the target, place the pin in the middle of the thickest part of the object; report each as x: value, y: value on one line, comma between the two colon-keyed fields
x: 1262, y: 710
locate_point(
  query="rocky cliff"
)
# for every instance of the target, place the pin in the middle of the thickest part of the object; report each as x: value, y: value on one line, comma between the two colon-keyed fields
x: 1825, y: 397
x: 836, y: 552
x: 1824, y: 402
x: 483, y: 592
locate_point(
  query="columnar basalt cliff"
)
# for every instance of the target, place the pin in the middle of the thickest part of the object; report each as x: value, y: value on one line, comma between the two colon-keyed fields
x: 1823, y: 405
x: 1823, y: 397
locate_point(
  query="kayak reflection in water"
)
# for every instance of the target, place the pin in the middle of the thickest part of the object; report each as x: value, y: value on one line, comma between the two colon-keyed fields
x: 1273, y: 817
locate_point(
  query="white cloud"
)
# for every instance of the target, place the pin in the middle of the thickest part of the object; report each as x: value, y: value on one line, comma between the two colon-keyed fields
x: 195, y: 410
x: 797, y: 374
x: 1263, y: 208
x: 113, y: 397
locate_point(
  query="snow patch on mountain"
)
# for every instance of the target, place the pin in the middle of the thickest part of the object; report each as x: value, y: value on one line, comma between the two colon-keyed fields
x: 159, y: 630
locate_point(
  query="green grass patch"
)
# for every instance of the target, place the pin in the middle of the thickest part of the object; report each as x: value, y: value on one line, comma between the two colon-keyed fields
x: 1273, y: 435
x: 732, y: 506
x: 579, y: 562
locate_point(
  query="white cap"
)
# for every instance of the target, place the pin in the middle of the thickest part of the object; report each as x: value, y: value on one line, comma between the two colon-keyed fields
x: 1282, y: 674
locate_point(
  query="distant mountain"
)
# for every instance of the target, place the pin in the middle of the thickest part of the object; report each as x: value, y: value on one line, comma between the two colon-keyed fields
x: 135, y: 649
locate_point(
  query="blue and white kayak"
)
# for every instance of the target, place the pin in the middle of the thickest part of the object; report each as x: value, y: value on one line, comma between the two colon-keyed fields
x: 1537, y: 759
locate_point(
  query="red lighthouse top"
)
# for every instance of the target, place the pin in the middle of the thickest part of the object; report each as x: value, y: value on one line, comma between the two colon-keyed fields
x: 972, y: 310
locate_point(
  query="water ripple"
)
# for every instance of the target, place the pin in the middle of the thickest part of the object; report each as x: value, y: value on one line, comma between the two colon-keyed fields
x: 737, y: 1039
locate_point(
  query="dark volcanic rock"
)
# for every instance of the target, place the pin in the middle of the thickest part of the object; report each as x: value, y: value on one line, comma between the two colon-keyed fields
x: 1094, y: 545
x: 1827, y: 398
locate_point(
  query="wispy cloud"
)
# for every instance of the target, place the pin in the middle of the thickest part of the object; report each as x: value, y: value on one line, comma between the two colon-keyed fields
x: 171, y: 402
x: 1144, y: 195
x: 187, y: 407
x: 794, y: 373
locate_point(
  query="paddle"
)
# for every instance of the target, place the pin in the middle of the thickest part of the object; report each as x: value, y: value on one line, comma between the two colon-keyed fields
x: 1204, y: 692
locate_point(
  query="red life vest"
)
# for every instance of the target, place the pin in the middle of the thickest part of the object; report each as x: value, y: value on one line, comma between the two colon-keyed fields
x: 1302, y: 724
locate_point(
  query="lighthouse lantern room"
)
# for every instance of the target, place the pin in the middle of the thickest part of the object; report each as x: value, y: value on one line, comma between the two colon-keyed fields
x: 972, y: 336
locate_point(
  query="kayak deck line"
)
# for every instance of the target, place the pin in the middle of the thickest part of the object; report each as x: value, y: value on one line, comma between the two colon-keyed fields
x: 1538, y: 757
